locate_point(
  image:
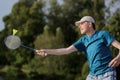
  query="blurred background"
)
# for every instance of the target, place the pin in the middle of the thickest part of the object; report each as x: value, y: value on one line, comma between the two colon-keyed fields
x: 50, y: 24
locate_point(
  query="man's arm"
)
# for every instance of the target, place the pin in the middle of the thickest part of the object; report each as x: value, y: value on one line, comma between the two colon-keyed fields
x: 116, y: 61
x: 60, y: 51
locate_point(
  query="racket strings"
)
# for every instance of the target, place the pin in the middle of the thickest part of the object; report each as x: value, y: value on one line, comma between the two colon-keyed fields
x: 12, y: 42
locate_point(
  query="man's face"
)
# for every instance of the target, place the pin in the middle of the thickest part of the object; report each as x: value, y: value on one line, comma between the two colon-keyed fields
x: 84, y: 27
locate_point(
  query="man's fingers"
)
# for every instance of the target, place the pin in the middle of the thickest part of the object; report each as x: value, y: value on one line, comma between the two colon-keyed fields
x: 41, y: 52
x: 114, y: 63
x: 111, y: 63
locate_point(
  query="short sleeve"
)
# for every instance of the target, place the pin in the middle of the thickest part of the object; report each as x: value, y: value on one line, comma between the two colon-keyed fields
x: 108, y: 38
x: 79, y: 45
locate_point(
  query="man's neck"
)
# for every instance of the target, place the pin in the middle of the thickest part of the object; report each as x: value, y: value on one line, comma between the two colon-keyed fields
x: 91, y: 32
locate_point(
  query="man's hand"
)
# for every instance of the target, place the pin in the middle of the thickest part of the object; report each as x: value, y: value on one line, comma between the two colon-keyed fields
x: 41, y: 52
x: 115, y: 62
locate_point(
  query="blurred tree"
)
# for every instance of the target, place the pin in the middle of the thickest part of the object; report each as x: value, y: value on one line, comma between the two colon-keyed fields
x: 48, y: 65
x: 85, y: 70
x: 28, y: 17
x: 57, y: 16
x: 113, y: 27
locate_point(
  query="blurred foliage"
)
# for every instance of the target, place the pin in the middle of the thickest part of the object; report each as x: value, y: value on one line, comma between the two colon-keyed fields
x: 114, y: 29
x: 49, y: 24
x: 85, y: 70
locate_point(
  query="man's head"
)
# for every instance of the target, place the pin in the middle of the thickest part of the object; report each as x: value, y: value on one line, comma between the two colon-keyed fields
x: 86, y: 24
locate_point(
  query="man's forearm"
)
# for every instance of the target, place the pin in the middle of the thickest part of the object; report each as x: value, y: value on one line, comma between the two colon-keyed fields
x: 60, y: 51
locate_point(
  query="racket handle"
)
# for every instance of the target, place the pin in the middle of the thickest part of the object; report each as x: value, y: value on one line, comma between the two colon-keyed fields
x: 28, y: 48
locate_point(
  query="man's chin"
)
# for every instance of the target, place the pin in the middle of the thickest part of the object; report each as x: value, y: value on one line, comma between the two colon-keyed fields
x: 82, y: 33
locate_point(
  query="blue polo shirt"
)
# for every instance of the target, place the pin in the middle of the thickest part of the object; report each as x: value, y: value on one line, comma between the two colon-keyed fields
x: 97, y: 50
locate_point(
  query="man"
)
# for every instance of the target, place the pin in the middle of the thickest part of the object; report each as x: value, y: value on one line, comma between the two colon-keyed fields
x: 96, y: 45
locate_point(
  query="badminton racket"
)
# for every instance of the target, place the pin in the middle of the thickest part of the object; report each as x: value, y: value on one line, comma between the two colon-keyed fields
x: 14, y: 42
